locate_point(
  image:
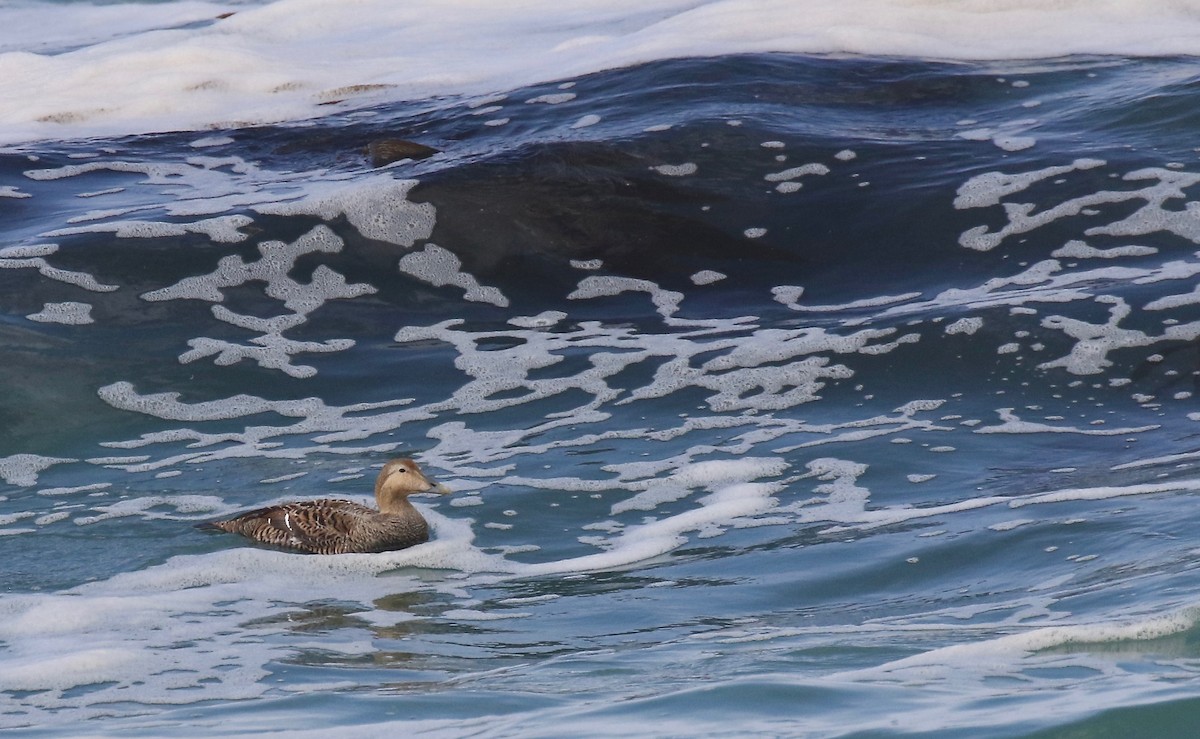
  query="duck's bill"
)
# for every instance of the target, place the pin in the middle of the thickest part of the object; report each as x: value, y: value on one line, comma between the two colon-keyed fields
x: 439, y: 489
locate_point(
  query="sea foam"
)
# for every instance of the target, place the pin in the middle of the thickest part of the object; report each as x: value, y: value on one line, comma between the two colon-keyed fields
x: 226, y: 66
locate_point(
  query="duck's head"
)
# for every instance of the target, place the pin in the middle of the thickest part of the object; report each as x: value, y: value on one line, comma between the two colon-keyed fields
x: 400, y: 478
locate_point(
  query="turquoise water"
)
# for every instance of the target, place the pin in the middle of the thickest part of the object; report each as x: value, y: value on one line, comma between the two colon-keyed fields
x: 787, y: 396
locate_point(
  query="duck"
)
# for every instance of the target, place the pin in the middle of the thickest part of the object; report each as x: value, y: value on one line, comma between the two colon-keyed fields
x: 331, y: 526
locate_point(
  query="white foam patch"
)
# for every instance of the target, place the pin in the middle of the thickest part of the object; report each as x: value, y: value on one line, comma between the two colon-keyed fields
x: 8, y: 518
x: 795, y: 173
x: 545, y: 319
x: 966, y: 326
x: 843, y: 499
x: 132, y: 459
x: 50, y: 518
x: 23, y: 469
x: 211, y: 141
x: 28, y: 251
x: 1010, y: 525
x: 1014, y: 143
x: 553, y: 98
x: 11, y: 191
x: 69, y: 313
x: 439, y: 267
x: 707, y: 277
x: 676, y: 170
x: 666, y: 301
x: 586, y: 121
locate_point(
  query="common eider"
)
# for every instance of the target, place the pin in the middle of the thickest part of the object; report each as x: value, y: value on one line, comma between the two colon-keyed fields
x: 330, y: 526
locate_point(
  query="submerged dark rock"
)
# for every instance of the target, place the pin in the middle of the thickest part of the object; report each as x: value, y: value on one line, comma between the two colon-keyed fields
x: 386, y: 151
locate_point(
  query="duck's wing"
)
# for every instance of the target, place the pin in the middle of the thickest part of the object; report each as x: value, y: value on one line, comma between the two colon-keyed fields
x: 316, y: 526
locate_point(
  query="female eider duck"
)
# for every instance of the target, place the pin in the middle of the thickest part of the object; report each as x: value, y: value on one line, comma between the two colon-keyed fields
x: 329, y: 526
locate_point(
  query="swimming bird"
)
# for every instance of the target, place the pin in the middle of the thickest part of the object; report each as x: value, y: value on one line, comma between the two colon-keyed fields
x: 329, y: 526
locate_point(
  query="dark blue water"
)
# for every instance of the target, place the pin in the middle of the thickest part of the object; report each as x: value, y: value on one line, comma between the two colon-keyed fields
x: 781, y: 395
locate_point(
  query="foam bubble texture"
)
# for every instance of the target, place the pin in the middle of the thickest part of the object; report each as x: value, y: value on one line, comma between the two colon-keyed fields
x: 440, y: 267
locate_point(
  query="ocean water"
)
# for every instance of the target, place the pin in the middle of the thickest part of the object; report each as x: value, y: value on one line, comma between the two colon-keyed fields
x: 822, y: 371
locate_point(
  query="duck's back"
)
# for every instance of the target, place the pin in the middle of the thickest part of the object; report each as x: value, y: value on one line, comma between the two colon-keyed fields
x: 328, y: 526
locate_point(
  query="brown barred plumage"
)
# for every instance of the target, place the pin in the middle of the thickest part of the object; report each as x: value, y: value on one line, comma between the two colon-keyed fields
x: 329, y: 526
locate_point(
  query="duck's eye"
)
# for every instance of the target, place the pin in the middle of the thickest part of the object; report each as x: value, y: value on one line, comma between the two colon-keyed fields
x: 402, y: 470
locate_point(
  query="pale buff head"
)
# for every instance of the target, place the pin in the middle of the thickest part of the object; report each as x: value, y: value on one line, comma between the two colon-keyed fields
x: 400, y: 478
